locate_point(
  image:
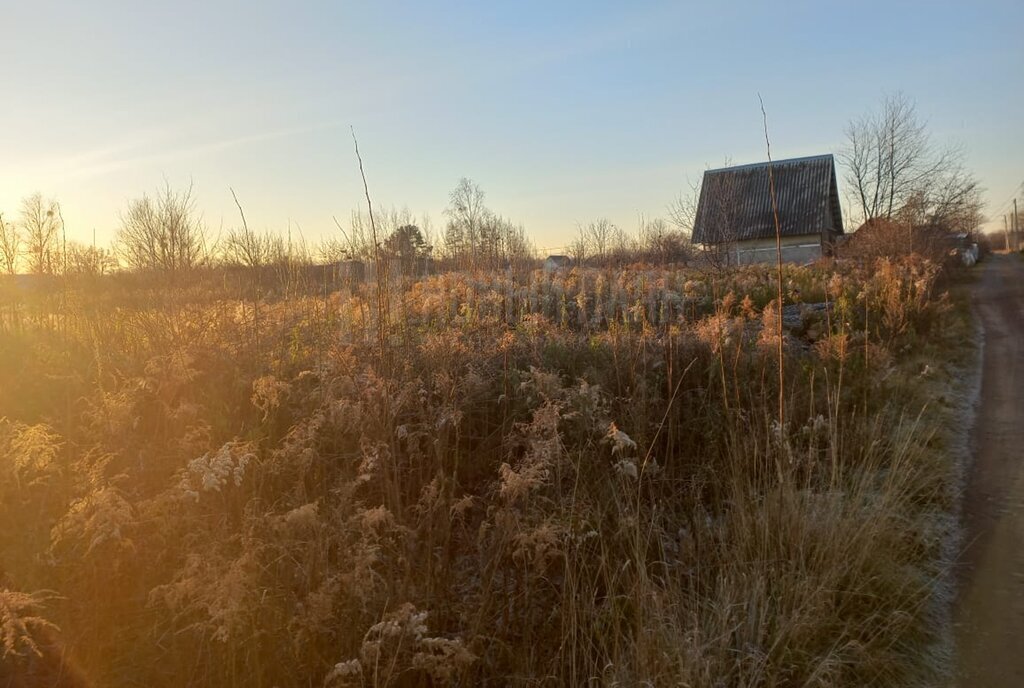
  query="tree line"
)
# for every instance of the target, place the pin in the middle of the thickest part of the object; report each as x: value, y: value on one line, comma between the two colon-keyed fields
x: 893, y: 172
x: 163, y: 233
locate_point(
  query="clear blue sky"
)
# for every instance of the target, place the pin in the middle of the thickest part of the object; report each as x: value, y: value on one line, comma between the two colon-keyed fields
x: 561, y: 111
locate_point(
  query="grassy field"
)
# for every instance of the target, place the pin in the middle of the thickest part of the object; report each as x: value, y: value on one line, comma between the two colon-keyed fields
x: 569, y: 478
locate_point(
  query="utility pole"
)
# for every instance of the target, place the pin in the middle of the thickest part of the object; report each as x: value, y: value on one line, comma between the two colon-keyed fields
x: 1017, y: 227
x: 1006, y: 234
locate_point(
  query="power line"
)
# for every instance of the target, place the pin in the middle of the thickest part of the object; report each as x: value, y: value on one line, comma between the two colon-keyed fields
x: 1006, y: 204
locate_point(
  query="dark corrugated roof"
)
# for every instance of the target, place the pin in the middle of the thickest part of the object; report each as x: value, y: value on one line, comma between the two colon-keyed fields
x: 735, y: 203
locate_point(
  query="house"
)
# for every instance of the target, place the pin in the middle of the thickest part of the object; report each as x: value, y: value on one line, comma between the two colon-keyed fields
x: 552, y: 263
x: 735, y: 215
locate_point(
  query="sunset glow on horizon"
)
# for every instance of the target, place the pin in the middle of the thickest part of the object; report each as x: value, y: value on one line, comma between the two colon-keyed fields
x: 561, y: 114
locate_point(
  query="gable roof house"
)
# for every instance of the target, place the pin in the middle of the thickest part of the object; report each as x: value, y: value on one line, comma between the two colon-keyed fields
x: 734, y: 212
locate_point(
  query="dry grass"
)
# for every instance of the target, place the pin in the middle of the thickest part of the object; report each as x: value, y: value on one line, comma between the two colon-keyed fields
x: 567, y: 479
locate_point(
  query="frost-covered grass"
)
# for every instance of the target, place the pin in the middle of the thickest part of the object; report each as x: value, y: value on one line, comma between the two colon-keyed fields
x: 549, y: 479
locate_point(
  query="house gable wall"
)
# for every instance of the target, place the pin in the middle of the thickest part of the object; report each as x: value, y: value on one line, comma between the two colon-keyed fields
x: 803, y: 248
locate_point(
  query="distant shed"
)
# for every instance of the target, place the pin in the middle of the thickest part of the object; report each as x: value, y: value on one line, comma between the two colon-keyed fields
x: 735, y: 215
x: 557, y: 262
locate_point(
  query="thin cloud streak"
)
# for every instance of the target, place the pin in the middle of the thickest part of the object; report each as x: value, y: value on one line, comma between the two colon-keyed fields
x: 196, y: 150
x: 106, y: 160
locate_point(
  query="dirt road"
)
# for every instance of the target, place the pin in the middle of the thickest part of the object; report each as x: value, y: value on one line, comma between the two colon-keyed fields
x: 990, y: 609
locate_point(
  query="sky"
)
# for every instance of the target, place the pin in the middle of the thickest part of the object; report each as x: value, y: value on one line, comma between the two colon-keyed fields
x: 563, y: 112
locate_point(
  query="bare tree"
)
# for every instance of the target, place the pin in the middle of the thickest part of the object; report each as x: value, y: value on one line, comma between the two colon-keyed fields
x: 595, y: 240
x: 661, y: 243
x: 248, y: 248
x: 475, y: 236
x: 502, y: 242
x: 40, y: 220
x: 892, y: 166
x: 601, y: 235
x: 601, y: 242
x: 277, y: 250
x: 719, y: 216
x: 953, y: 200
x: 427, y: 229
x: 577, y: 250
x: 10, y: 246
x: 466, y: 213
x: 356, y: 242
x: 245, y: 247
x: 163, y: 233
x: 682, y: 211
x: 89, y: 261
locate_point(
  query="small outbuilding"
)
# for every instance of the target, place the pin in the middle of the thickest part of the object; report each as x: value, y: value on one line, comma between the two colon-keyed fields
x: 552, y: 263
x: 735, y: 216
